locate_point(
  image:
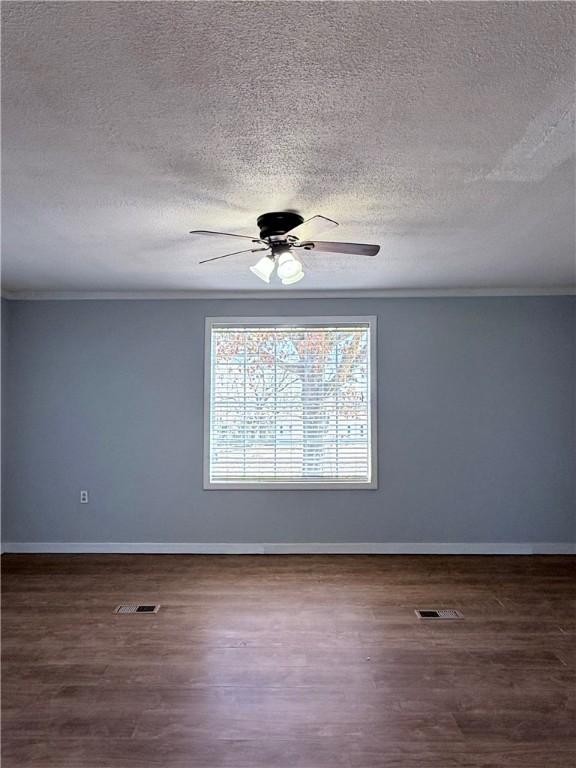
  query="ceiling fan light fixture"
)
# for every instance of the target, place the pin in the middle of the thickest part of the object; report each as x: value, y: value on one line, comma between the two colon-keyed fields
x: 280, y: 232
x: 289, y: 267
x: 263, y: 268
x: 294, y: 279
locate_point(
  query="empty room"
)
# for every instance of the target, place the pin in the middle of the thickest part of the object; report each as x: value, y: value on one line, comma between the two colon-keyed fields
x: 288, y: 372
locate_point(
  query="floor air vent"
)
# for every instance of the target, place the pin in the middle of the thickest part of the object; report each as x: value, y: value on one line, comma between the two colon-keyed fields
x: 443, y: 613
x: 136, y: 608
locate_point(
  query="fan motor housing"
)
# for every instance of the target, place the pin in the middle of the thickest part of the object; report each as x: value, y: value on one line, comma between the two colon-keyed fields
x: 277, y: 224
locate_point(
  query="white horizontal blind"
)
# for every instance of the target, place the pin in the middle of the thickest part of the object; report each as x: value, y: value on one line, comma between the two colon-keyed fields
x: 290, y: 404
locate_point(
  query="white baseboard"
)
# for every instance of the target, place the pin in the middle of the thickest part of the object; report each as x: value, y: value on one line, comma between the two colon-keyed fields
x: 554, y: 548
x: 314, y: 548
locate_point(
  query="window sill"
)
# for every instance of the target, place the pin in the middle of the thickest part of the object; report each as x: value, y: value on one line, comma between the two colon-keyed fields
x: 327, y: 486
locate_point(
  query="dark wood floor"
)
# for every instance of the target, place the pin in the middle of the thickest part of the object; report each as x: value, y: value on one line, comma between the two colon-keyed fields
x: 288, y: 661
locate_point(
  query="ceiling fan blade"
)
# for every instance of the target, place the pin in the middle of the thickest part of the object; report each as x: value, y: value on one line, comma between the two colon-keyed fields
x: 354, y: 249
x: 223, y: 234
x: 312, y: 227
x: 235, y: 253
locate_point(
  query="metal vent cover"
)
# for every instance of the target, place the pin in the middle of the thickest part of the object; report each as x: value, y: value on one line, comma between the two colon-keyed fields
x: 438, y: 613
x: 137, y: 608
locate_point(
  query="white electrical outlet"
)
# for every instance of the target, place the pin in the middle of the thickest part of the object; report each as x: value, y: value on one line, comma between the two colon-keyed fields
x: 83, y: 497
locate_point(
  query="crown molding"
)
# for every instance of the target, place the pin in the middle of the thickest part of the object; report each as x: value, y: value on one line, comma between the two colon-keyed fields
x: 391, y: 293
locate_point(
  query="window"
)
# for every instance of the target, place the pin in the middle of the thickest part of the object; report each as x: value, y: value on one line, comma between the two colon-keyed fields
x: 290, y: 403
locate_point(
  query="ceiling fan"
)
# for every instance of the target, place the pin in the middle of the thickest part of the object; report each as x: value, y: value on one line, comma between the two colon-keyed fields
x: 280, y: 234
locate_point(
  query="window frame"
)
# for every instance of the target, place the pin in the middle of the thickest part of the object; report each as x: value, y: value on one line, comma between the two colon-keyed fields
x: 316, y: 321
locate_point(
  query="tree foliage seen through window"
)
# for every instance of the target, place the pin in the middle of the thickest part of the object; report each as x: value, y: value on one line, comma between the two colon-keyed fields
x: 290, y: 404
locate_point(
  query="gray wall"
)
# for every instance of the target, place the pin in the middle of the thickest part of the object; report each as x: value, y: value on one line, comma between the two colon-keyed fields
x: 476, y: 425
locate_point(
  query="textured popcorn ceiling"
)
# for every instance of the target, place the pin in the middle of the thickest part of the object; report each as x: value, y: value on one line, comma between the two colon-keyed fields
x: 443, y: 131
